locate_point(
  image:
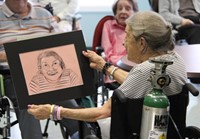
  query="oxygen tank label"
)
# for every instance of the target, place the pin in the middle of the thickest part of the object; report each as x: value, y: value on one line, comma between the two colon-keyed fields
x: 154, y: 123
x: 157, y: 135
x: 160, y: 122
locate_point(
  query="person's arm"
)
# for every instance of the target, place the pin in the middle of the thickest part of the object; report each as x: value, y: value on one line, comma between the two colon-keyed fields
x: 69, y: 11
x: 88, y: 114
x: 84, y: 114
x: 170, y: 11
x: 97, y: 62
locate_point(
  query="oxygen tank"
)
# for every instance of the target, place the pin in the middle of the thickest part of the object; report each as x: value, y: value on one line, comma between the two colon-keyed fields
x: 155, y: 111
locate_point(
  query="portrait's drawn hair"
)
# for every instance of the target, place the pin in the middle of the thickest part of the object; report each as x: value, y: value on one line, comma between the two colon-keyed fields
x: 48, y: 54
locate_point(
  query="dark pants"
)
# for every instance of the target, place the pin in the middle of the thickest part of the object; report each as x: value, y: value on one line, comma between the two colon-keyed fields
x: 190, y: 32
x: 29, y: 126
x: 195, y: 19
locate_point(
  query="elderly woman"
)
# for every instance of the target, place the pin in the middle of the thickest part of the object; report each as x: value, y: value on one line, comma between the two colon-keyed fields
x: 148, y: 35
x: 113, y: 32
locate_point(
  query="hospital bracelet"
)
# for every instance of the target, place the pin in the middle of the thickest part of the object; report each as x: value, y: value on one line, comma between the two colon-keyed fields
x: 58, y: 113
x: 51, y: 112
x: 55, y: 112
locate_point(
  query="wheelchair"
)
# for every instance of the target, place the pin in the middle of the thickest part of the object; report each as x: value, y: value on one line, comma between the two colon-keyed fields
x: 126, y: 116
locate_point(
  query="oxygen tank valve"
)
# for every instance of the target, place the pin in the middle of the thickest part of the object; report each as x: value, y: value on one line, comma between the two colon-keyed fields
x: 158, y: 77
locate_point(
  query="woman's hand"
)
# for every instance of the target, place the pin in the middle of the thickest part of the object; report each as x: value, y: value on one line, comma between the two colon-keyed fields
x: 185, y: 22
x: 96, y: 61
x: 40, y: 112
x: 56, y: 18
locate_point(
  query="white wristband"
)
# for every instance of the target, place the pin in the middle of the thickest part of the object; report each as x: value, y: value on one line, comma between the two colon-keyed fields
x: 112, y: 72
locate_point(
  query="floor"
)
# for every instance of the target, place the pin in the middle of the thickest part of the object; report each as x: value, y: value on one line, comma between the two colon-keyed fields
x: 193, y: 114
x: 53, y: 130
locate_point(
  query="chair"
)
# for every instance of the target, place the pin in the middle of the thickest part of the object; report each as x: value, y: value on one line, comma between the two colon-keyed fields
x: 126, y: 116
x: 96, y: 46
x: 75, y: 22
x: 5, y: 108
x: 154, y: 5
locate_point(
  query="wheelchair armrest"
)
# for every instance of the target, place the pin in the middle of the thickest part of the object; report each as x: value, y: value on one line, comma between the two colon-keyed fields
x: 192, y: 132
x: 192, y: 89
x: 120, y: 95
x: 74, y: 19
x: 99, y: 50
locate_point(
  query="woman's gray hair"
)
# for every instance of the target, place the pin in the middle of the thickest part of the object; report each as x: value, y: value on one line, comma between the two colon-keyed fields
x: 156, y: 31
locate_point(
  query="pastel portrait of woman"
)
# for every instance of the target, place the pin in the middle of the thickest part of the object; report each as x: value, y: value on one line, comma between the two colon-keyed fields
x: 52, y: 74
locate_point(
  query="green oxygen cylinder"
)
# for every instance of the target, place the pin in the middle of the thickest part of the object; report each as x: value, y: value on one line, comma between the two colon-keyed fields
x: 155, y: 111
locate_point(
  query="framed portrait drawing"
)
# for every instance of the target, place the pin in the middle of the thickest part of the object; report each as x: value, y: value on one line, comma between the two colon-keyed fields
x: 50, y: 69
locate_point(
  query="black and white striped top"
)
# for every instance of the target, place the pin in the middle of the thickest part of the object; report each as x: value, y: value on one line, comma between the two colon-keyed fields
x: 137, y: 86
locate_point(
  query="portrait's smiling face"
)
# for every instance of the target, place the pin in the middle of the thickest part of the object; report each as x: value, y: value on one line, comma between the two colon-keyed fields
x: 51, y: 68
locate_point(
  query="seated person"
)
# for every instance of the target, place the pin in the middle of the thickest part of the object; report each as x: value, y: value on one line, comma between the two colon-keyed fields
x: 148, y: 35
x: 184, y: 15
x: 63, y: 11
x: 17, y: 19
x: 113, y: 33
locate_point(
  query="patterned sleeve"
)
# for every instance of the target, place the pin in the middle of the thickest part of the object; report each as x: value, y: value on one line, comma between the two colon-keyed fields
x: 34, y: 86
x: 75, y: 80
x: 136, y: 84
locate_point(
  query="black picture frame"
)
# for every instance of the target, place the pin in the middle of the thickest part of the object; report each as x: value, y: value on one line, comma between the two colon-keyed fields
x: 15, y: 49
